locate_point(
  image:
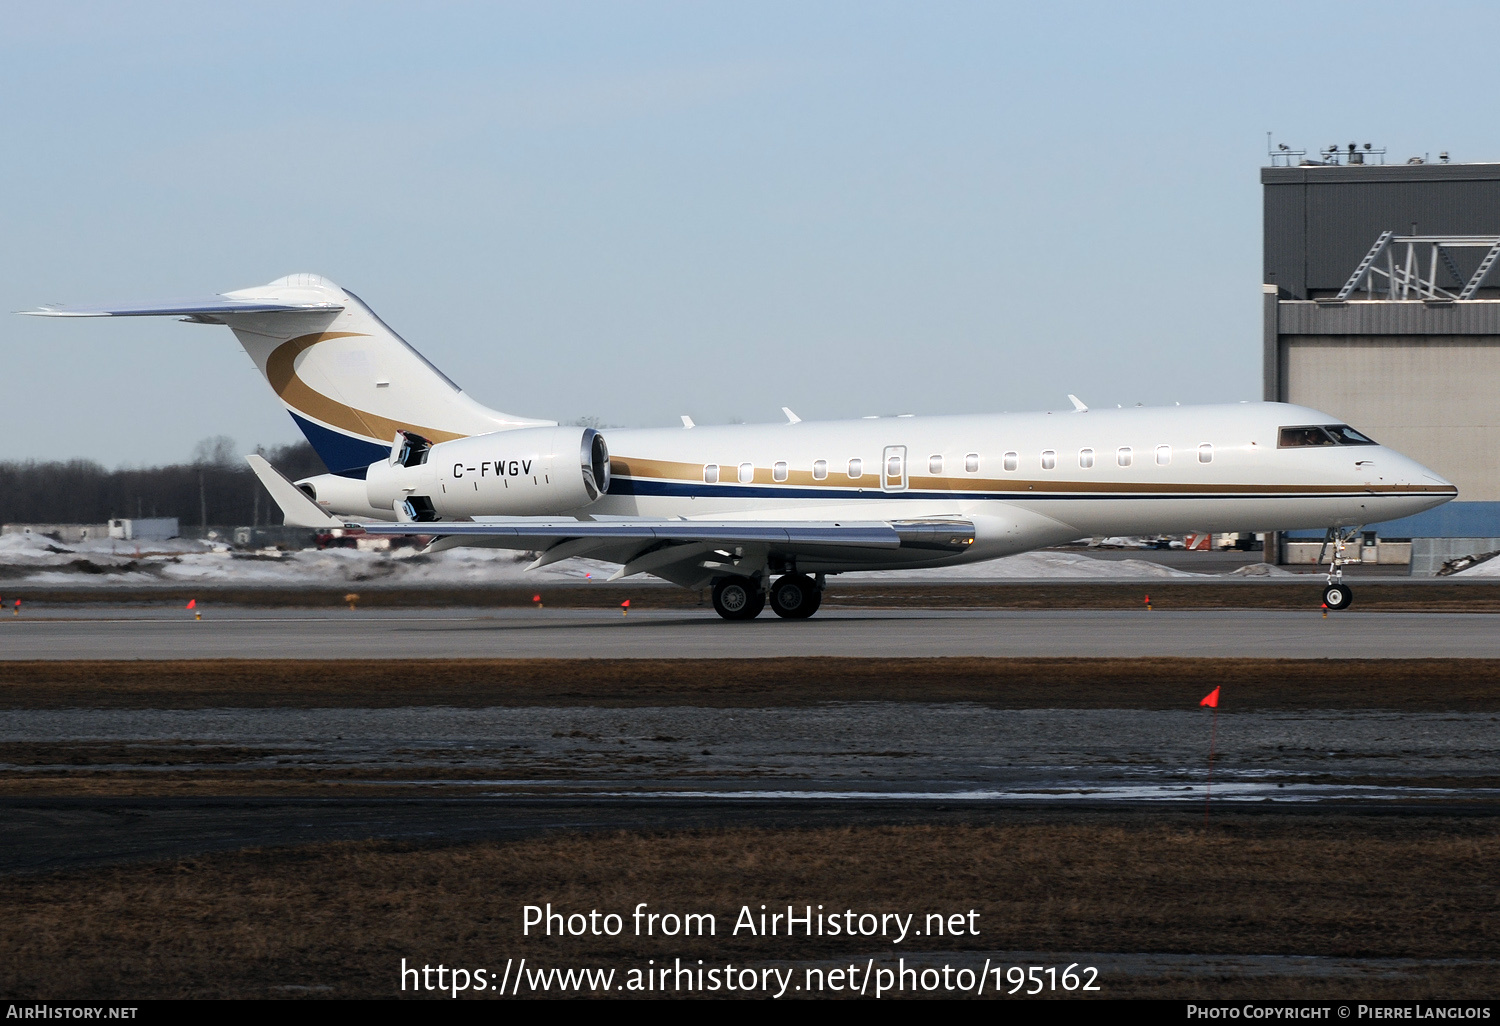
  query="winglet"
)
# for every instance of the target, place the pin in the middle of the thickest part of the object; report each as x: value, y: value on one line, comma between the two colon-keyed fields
x: 1078, y: 406
x: 687, y: 421
x: 791, y: 418
x: 296, y: 507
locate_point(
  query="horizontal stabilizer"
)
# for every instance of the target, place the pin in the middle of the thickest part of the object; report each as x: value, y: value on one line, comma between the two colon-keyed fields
x: 214, y: 306
x: 296, y: 507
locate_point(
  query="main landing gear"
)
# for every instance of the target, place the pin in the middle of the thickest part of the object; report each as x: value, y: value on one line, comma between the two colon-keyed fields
x: 1338, y: 595
x: 792, y: 597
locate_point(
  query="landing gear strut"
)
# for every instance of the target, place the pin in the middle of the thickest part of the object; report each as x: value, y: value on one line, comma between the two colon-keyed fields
x: 738, y: 598
x: 1338, y: 595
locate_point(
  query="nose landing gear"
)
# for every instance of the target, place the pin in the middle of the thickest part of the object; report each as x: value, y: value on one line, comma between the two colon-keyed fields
x: 1338, y: 595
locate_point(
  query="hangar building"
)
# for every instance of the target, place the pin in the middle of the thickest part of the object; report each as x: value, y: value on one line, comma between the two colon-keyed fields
x: 1382, y: 308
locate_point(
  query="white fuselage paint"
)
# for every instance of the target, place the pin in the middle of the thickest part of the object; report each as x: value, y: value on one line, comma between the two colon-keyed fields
x: 1249, y: 484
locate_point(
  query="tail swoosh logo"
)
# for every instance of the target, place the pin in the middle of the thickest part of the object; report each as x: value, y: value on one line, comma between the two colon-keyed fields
x: 281, y: 371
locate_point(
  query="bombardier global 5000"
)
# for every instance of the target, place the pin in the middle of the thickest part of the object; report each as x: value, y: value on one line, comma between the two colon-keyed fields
x: 764, y: 513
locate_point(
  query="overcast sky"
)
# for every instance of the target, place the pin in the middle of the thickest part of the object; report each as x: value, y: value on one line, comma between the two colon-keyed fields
x: 637, y: 210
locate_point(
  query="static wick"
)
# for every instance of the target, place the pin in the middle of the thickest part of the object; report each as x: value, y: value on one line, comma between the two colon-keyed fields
x: 351, y: 599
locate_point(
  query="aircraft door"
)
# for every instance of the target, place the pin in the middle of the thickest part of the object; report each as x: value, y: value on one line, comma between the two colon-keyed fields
x: 893, y: 469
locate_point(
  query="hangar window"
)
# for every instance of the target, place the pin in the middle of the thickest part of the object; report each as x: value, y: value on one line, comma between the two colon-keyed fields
x: 778, y: 472
x: 1123, y: 455
x: 1049, y: 460
x: 1205, y: 453
x: 971, y: 463
x: 856, y: 468
x: 1012, y: 461
x: 1320, y: 434
x: 747, y: 473
x: 1163, y: 455
x: 711, y: 473
x: 820, y: 470
x: 934, y: 464
x: 1086, y: 458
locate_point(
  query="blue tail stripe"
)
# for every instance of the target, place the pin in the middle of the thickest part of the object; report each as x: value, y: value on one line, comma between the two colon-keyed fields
x: 341, y: 453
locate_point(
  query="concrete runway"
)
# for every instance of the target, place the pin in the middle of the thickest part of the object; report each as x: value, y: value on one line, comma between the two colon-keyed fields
x: 152, y: 633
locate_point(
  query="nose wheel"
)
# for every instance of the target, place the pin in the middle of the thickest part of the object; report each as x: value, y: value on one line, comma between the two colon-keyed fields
x: 1338, y: 595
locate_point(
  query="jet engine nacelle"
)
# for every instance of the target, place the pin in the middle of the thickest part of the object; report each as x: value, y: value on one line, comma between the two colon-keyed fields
x: 523, y: 472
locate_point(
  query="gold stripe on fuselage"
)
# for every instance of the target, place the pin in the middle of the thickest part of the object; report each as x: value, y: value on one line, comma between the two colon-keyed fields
x: 692, y: 473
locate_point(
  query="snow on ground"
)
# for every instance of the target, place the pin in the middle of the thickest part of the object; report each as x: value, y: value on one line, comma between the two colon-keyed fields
x: 1490, y: 567
x: 38, y: 560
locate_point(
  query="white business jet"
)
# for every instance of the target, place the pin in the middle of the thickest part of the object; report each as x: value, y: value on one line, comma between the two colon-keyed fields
x: 766, y: 512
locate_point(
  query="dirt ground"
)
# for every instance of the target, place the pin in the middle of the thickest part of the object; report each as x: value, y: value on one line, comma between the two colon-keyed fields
x: 1449, y: 685
x: 337, y: 919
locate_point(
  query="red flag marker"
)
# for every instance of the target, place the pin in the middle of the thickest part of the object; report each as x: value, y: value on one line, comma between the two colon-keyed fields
x: 625, y: 608
x: 1148, y: 603
x: 1212, y: 701
x: 192, y: 604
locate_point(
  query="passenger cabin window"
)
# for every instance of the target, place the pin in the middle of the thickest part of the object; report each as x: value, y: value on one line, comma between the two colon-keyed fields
x: 1086, y: 458
x: 1049, y: 460
x: 1012, y: 460
x: 934, y: 464
x: 778, y: 472
x: 1163, y: 455
x: 820, y: 470
x: 747, y: 473
x: 1205, y: 453
x: 1122, y: 456
x: 711, y: 473
x: 856, y: 468
x: 971, y: 463
x: 1320, y: 434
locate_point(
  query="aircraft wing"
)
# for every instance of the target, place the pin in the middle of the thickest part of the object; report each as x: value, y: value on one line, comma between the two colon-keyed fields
x: 690, y: 552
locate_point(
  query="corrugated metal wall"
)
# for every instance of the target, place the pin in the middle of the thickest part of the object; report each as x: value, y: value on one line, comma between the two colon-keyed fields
x: 1320, y: 221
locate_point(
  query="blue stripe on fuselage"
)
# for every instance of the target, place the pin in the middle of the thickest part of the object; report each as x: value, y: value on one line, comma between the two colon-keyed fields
x: 692, y: 489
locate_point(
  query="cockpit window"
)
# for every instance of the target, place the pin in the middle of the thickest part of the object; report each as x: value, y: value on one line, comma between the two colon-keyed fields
x: 1320, y: 434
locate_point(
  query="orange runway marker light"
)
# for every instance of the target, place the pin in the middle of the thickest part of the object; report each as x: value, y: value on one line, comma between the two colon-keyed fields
x: 625, y: 608
x: 17, y: 611
x: 1148, y: 603
x: 351, y: 598
x: 1325, y: 610
x: 538, y: 600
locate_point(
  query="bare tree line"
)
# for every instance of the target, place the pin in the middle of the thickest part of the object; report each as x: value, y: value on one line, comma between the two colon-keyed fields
x: 216, y: 487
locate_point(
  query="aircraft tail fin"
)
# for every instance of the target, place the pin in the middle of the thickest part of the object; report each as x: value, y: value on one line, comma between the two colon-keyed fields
x: 348, y: 381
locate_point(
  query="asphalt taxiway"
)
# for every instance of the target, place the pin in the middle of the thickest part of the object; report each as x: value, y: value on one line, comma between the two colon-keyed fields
x: 103, y: 632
